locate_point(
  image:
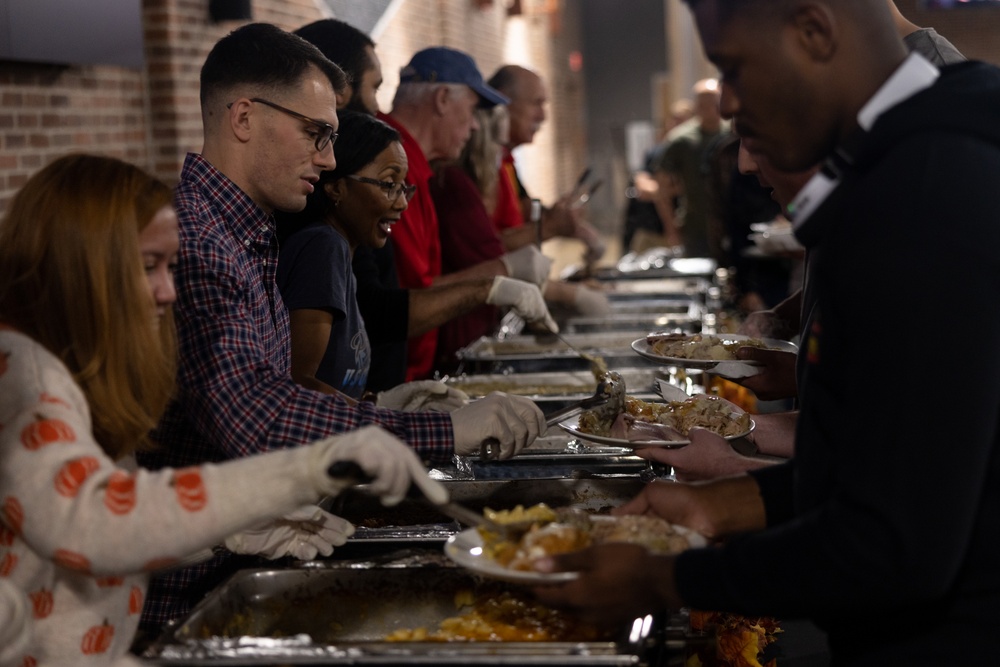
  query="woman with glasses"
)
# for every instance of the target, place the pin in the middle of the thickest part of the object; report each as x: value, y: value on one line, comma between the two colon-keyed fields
x: 353, y: 205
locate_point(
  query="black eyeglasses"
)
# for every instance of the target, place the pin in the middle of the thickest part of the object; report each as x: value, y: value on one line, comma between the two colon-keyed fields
x: 391, y: 189
x: 325, y: 134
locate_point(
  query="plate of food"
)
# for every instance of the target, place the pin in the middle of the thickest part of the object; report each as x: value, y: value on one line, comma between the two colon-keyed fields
x: 509, y: 558
x: 666, y: 424
x: 705, y: 351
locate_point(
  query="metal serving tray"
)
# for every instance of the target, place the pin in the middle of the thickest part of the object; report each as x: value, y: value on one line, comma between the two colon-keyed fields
x: 340, y: 613
x: 525, y: 353
x: 414, y: 520
x: 662, y: 289
x: 553, y: 390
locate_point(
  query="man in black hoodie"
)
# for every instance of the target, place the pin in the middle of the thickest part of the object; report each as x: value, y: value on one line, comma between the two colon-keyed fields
x: 885, y: 527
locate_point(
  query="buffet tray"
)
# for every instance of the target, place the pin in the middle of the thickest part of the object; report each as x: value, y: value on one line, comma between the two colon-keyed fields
x: 414, y: 520
x: 551, y: 390
x: 662, y: 289
x: 339, y: 612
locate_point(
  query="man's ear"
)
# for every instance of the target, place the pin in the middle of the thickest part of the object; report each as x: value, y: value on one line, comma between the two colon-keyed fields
x: 240, y: 118
x: 441, y: 99
x: 817, y: 30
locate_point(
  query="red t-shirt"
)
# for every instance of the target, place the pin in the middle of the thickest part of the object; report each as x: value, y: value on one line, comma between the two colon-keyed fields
x: 508, y: 212
x: 467, y: 238
x: 417, y: 247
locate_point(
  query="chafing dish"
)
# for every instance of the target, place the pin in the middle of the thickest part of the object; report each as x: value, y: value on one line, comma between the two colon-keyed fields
x: 662, y: 289
x: 653, y: 264
x: 525, y: 353
x: 338, y: 613
x: 414, y: 520
x: 554, y: 390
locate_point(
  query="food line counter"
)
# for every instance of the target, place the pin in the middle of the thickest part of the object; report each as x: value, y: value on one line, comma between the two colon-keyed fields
x: 392, y: 574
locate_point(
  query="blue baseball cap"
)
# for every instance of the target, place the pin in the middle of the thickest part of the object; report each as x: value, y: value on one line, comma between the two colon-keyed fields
x: 439, y: 64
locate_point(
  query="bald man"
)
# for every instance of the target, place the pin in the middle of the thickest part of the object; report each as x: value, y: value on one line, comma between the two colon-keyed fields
x: 883, y: 528
x: 526, y: 112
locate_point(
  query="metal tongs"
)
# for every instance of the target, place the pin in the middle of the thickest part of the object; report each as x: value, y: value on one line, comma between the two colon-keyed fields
x: 352, y: 474
x: 607, y: 402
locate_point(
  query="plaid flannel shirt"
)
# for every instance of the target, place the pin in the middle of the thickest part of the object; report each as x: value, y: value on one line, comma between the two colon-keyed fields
x: 235, y: 395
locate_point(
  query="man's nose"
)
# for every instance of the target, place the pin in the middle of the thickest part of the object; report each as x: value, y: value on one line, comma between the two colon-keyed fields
x: 325, y: 159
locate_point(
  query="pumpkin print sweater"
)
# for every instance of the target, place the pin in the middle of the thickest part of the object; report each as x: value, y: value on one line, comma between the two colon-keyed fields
x: 79, y: 534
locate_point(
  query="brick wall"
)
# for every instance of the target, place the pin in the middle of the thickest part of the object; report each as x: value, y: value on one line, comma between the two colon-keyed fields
x: 151, y: 116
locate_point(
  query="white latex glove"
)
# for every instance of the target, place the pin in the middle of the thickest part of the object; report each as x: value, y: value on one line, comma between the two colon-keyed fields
x: 16, y: 626
x: 526, y: 299
x: 383, y: 456
x: 513, y: 420
x: 305, y: 533
x: 422, y: 395
x: 527, y: 264
x: 591, y: 302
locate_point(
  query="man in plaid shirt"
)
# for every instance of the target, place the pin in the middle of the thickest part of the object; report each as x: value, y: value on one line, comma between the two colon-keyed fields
x: 269, y: 112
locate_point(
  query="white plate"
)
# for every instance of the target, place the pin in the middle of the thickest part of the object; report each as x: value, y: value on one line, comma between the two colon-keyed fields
x: 466, y: 549
x: 572, y: 426
x: 643, y: 348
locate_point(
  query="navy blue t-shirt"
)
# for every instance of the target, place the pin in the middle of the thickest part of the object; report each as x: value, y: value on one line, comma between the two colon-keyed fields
x: 314, y: 272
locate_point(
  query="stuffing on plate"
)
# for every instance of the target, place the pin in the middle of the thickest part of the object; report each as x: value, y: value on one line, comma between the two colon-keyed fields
x: 670, y: 421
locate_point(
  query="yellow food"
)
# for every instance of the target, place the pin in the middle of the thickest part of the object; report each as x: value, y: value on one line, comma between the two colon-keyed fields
x: 504, y: 617
x: 554, y: 538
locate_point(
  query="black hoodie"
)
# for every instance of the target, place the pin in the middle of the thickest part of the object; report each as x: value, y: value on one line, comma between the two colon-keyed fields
x: 885, y: 527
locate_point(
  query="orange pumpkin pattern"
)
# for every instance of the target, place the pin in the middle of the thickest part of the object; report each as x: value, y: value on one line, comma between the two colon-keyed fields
x: 71, y: 476
x: 29, y: 661
x: 190, y: 488
x: 7, y: 564
x: 54, y: 400
x: 41, y: 602
x: 6, y: 536
x: 109, y: 582
x: 12, y: 514
x: 97, y: 639
x: 42, y: 432
x: 135, y: 601
x: 71, y: 560
x: 119, y: 496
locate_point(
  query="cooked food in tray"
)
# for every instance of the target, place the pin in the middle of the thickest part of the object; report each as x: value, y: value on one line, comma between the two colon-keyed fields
x: 507, y: 616
x: 670, y: 421
x: 702, y: 347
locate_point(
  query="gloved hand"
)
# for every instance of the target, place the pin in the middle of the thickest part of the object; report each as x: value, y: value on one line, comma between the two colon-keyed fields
x: 513, y: 420
x: 525, y: 298
x: 392, y: 464
x: 304, y: 533
x: 422, y: 395
x: 16, y: 626
x: 527, y: 264
x: 591, y: 302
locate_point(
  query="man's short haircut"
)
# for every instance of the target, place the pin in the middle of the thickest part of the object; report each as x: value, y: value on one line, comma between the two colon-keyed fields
x: 507, y: 78
x: 343, y: 44
x: 262, y: 57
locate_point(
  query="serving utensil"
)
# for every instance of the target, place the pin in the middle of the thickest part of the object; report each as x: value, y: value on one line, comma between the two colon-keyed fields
x: 607, y: 402
x: 352, y: 474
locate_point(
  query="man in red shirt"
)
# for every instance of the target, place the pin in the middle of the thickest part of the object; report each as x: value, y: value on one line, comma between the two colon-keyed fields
x: 433, y: 111
x: 526, y: 108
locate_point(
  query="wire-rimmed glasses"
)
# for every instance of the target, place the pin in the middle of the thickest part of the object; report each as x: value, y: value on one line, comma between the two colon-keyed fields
x: 324, y: 135
x: 391, y: 189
